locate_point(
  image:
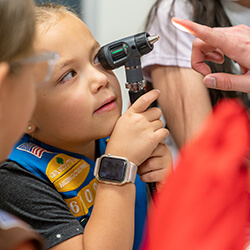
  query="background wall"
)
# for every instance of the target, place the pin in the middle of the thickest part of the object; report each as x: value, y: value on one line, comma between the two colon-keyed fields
x: 110, y: 20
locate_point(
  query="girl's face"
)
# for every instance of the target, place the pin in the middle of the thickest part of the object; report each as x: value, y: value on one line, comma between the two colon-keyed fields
x: 82, y: 101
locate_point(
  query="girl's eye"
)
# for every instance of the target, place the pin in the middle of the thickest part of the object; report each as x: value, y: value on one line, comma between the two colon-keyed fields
x: 68, y: 76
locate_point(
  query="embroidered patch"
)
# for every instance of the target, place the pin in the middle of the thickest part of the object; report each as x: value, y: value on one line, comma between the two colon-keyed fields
x: 79, y: 205
x: 67, y: 173
x: 59, y: 165
x: 32, y: 149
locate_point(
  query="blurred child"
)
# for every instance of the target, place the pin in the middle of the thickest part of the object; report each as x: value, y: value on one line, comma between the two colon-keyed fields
x: 20, y: 71
x: 54, y: 162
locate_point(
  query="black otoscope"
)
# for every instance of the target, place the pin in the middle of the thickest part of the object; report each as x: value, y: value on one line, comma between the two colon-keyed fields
x: 127, y: 52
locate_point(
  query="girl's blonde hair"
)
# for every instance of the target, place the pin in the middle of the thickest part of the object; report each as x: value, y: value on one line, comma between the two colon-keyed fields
x: 17, y: 30
x: 49, y: 14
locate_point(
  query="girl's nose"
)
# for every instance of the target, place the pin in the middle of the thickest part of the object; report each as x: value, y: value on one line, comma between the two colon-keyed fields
x: 99, y: 80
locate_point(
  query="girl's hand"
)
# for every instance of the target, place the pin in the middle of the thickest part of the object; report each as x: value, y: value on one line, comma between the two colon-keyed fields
x: 138, y: 131
x: 158, y: 167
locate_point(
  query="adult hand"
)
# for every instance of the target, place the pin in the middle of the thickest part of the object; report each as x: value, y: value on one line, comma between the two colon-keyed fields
x: 212, y: 44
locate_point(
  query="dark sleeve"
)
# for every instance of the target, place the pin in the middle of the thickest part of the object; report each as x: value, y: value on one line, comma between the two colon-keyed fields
x: 14, y: 232
x: 38, y: 203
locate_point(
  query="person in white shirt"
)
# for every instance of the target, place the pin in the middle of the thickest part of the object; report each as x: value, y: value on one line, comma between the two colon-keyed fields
x: 185, y: 100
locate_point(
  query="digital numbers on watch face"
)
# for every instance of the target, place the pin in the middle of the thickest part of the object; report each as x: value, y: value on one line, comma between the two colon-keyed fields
x: 112, y: 169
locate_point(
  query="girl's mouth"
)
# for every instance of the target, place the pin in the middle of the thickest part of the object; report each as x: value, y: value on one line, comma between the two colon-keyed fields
x: 109, y: 105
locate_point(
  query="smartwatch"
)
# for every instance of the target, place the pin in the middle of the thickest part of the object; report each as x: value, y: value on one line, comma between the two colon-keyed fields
x: 114, y: 170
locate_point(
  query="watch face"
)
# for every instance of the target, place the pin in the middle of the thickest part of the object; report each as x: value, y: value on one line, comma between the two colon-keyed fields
x: 112, y: 169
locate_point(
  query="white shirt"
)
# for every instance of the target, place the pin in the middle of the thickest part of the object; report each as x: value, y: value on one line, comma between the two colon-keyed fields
x: 174, y: 47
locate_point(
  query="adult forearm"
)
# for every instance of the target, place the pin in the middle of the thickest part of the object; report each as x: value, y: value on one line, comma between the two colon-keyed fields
x: 184, y: 100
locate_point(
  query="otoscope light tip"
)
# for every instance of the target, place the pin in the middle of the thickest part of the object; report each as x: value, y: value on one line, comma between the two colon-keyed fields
x: 153, y: 39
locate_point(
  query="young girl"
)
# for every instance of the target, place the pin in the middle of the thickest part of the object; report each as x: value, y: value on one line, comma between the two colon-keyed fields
x: 53, y: 164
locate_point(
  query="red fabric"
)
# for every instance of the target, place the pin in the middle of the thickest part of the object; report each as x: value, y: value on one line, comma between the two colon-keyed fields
x: 204, y: 204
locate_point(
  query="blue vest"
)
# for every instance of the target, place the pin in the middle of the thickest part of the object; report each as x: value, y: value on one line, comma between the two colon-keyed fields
x: 73, y: 177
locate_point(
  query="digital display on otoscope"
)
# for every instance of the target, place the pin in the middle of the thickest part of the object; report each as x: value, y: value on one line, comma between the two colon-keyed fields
x: 119, y: 52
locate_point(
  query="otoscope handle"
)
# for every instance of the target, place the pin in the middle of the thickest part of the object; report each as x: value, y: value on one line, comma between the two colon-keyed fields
x: 133, y: 96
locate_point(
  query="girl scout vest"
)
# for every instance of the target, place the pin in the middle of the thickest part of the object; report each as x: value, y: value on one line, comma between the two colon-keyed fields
x: 73, y: 177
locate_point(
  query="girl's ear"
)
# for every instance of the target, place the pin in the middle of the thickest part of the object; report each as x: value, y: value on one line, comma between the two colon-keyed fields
x: 30, y: 129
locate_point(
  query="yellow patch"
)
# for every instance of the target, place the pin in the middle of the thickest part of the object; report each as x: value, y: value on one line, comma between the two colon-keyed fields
x: 80, y: 205
x: 73, y: 178
x: 67, y: 173
x: 59, y: 165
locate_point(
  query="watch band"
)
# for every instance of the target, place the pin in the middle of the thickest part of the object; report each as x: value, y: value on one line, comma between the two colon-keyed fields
x: 132, y: 172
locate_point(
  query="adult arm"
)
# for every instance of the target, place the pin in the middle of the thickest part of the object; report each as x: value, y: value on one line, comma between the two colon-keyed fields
x: 245, y: 3
x: 184, y: 100
x: 212, y: 44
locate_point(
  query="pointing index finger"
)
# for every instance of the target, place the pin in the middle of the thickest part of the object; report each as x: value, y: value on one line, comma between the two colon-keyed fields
x: 209, y: 35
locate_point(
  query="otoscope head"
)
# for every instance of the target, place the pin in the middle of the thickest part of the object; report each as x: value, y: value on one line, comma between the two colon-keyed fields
x: 118, y: 53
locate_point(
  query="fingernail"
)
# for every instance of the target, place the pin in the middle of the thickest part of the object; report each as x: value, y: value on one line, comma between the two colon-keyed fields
x: 210, y: 82
x: 158, y: 90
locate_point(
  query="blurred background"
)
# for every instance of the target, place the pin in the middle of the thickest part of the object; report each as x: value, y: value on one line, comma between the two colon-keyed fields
x: 109, y: 20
